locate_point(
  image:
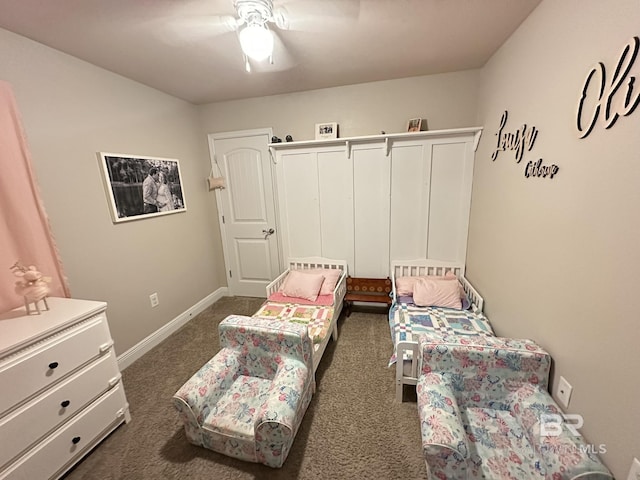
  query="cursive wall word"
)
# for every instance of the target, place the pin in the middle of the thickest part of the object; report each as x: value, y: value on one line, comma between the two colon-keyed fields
x: 621, y: 86
x: 521, y: 139
x: 537, y: 169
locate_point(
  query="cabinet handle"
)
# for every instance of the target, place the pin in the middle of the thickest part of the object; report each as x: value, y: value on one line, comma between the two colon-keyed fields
x: 53, y: 365
x: 75, y: 440
x: 114, y: 381
x: 65, y: 404
x: 105, y: 347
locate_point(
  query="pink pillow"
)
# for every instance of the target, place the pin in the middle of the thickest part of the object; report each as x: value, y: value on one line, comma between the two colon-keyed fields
x: 302, y: 285
x: 437, y: 292
x: 331, y: 277
x: 405, y: 285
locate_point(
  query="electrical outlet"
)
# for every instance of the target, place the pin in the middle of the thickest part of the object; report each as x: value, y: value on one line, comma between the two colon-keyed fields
x: 634, y: 472
x: 154, y: 299
x: 564, y: 392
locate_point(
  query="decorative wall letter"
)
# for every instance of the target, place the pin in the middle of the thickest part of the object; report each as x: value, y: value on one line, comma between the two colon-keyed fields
x: 605, y: 92
x: 520, y: 141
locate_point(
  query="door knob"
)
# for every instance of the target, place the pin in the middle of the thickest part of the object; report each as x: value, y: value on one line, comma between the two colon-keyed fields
x: 266, y: 233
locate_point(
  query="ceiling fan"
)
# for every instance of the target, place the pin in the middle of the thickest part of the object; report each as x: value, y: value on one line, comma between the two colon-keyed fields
x: 258, y: 24
x: 256, y: 40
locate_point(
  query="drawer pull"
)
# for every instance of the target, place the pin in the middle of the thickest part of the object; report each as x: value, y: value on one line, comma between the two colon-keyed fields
x: 75, y: 440
x: 53, y: 365
x: 65, y: 404
x: 114, y: 381
x: 106, y: 346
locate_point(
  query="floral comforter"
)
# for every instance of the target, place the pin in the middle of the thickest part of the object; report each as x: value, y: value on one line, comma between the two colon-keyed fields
x: 407, y: 321
x: 317, y: 318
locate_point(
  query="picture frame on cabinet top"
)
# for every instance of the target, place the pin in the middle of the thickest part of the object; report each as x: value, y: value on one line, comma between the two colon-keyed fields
x: 414, y: 125
x: 326, y: 131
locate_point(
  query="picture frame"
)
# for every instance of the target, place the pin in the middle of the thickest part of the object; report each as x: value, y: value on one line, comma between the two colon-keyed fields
x: 414, y: 125
x: 140, y: 187
x: 326, y: 130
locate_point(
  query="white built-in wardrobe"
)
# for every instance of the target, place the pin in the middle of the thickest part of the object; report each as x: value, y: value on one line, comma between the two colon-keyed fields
x: 371, y: 200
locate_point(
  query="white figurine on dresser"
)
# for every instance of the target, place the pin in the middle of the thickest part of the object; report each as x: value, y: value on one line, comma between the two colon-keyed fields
x: 62, y: 391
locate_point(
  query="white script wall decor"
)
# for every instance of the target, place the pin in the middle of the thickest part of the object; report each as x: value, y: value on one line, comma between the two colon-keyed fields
x: 599, y: 97
x: 519, y: 141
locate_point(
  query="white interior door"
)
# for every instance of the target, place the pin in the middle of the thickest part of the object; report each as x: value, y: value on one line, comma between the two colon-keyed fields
x: 247, y: 210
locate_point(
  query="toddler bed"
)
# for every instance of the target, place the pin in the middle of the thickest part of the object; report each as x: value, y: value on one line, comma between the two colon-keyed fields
x: 311, y: 292
x: 452, y: 307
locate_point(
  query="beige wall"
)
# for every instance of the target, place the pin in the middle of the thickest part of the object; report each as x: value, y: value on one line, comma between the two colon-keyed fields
x: 446, y: 101
x: 71, y: 110
x: 558, y: 260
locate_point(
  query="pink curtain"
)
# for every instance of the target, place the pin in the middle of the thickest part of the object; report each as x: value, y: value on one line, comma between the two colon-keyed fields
x: 25, y: 234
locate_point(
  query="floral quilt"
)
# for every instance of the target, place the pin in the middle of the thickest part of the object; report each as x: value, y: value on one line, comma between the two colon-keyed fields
x: 317, y: 318
x: 408, y: 321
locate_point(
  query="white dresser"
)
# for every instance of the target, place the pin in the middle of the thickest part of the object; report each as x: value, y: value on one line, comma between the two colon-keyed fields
x: 60, y: 387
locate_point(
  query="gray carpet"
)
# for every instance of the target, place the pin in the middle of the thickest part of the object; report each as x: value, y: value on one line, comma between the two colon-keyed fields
x: 352, y: 429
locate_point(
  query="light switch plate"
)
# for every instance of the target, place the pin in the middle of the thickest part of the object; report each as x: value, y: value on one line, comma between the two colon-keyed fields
x: 564, y: 392
x: 153, y: 298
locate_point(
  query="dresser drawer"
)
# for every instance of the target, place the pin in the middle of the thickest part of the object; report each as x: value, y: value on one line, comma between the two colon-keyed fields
x: 24, y: 426
x: 32, y: 369
x: 57, y: 452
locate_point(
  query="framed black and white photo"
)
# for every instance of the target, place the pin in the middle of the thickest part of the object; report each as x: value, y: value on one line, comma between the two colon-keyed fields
x: 326, y: 130
x: 140, y: 187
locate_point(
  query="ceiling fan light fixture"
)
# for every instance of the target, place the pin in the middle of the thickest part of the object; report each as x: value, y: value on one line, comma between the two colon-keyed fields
x: 256, y: 41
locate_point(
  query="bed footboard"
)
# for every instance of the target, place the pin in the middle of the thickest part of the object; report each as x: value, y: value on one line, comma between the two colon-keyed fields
x: 338, y: 300
x: 474, y: 297
x: 406, y: 370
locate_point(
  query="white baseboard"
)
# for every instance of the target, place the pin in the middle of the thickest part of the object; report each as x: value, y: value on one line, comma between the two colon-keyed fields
x: 138, y: 350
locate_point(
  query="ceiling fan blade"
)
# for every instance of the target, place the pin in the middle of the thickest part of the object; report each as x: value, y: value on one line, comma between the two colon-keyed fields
x: 283, y: 59
x: 315, y: 16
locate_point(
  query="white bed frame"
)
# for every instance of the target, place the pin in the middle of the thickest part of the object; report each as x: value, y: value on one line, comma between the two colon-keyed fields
x: 407, y: 371
x: 338, y: 295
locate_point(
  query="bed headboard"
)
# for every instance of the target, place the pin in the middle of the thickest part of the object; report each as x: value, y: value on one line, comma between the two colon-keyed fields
x: 423, y: 267
x: 317, y: 262
x: 304, y: 263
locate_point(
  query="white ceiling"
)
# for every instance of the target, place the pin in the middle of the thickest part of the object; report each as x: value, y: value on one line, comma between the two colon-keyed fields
x: 183, y: 48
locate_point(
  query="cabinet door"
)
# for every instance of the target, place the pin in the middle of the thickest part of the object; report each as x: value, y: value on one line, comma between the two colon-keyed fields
x: 371, y: 191
x: 298, y: 202
x: 410, y: 185
x: 315, y: 197
x: 335, y: 186
x: 430, y: 198
x: 450, y: 199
